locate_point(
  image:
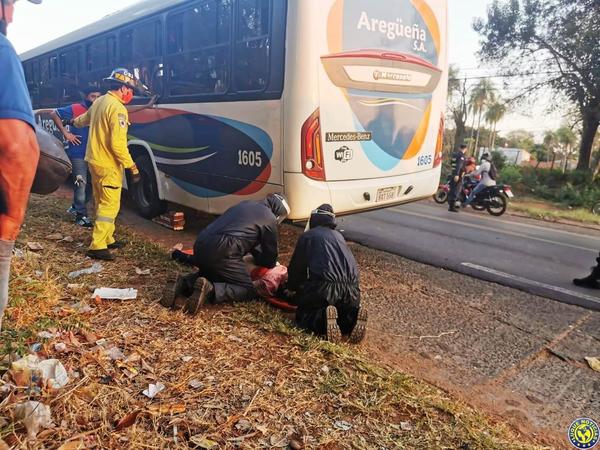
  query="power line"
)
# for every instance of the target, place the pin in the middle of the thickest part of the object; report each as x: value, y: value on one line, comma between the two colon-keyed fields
x: 522, y: 75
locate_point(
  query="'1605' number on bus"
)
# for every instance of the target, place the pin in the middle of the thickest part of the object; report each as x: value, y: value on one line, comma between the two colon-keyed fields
x: 249, y: 158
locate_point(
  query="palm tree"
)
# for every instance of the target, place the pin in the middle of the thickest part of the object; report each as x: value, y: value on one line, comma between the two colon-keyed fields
x: 494, y: 114
x: 481, y: 96
x: 457, y: 104
x: 551, y: 142
x: 567, y: 140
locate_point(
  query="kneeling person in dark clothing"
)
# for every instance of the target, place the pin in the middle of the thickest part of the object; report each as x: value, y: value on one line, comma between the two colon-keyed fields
x: 324, y: 276
x: 247, y: 228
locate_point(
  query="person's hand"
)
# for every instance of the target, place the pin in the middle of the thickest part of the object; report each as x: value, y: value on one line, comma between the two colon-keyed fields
x: 456, y: 178
x: 73, y: 139
x: 136, y: 177
x: 177, y: 247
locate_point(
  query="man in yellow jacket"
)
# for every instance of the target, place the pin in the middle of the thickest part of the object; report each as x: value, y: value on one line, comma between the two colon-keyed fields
x: 107, y: 155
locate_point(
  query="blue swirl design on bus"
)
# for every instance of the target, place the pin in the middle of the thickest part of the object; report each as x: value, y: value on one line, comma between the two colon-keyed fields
x: 200, y: 153
x: 396, y: 120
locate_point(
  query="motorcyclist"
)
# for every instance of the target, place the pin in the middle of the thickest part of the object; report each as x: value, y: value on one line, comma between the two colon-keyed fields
x: 458, y: 170
x: 249, y: 227
x: 484, y: 170
x: 470, y: 165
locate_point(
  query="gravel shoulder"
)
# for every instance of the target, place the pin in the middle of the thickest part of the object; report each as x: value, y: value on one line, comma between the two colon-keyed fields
x: 514, y: 355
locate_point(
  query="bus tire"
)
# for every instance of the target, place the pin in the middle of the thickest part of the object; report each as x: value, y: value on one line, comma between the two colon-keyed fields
x: 145, y: 193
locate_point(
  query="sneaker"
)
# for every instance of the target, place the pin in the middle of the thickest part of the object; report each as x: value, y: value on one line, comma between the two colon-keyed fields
x: 117, y: 245
x: 103, y: 254
x: 173, y: 294
x: 72, y: 211
x: 334, y: 334
x: 360, y: 329
x: 204, y: 291
x: 83, y: 221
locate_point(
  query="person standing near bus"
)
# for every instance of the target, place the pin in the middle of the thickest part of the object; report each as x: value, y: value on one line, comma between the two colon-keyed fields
x: 77, y: 139
x: 107, y: 155
x: 458, y: 171
x: 19, y: 150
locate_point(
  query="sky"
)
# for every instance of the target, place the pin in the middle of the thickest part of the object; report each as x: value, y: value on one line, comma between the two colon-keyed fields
x: 37, y: 24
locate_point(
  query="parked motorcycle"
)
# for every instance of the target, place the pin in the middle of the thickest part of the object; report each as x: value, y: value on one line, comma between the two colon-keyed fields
x: 494, y: 199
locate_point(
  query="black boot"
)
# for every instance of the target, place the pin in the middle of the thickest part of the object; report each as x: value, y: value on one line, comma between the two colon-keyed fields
x: 592, y: 281
x: 204, y: 292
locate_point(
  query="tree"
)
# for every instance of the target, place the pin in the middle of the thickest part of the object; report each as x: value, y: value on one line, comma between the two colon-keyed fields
x: 551, y: 144
x: 567, y: 140
x: 483, y: 93
x: 522, y: 139
x: 555, y: 44
x: 457, y: 104
x: 494, y: 114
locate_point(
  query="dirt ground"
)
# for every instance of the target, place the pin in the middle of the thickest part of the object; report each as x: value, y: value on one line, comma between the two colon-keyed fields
x: 234, y: 376
x: 513, y: 355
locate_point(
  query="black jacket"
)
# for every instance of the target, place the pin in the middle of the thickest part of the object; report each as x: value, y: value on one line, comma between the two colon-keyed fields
x: 322, y: 256
x: 249, y: 227
x: 458, y: 163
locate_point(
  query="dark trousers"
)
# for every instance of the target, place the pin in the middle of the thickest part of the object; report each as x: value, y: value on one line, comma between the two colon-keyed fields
x: 226, y: 270
x: 454, y: 193
x: 314, y: 298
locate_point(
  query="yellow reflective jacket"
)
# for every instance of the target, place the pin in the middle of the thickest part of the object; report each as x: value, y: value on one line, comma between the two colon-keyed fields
x: 107, y: 144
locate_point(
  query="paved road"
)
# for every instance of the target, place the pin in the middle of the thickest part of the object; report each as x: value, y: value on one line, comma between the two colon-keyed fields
x: 534, y: 256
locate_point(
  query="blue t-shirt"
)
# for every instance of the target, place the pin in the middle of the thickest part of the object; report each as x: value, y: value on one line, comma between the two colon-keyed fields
x: 72, y: 112
x: 15, y: 102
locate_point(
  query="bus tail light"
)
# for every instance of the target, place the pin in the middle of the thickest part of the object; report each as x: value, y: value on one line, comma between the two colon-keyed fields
x: 313, y: 165
x: 439, y: 147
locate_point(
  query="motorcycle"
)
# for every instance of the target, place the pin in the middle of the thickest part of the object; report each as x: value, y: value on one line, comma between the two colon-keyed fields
x: 596, y: 209
x: 494, y: 199
x: 441, y: 195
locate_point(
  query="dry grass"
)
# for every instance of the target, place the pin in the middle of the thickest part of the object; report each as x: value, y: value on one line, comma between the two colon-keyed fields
x: 553, y: 212
x: 258, y: 382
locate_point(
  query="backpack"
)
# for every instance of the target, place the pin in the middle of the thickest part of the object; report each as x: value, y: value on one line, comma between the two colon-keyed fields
x: 493, y: 173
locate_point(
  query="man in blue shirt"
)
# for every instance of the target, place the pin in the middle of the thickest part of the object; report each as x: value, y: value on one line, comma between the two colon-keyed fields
x: 19, y: 151
x: 77, y: 139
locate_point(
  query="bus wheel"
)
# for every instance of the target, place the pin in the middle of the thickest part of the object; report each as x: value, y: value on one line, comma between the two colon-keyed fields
x: 145, y: 193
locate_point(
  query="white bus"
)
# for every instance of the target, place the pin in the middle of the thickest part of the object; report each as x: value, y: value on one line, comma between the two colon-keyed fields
x: 329, y: 101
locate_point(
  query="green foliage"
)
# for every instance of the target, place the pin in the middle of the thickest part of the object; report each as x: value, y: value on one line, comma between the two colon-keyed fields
x: 510, y: 175
x: 575, y: 189
x: 556, y: 41
x: 499, y: 160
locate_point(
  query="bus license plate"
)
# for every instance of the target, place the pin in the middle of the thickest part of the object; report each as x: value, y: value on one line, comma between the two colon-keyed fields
x: 386, y: 194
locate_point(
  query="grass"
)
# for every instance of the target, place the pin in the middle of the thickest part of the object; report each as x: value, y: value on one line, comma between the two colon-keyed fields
x: 544, y: 210
x: 258, y: 381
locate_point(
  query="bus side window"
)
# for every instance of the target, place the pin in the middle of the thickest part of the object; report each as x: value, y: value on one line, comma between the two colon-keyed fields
x: 47, y: 94
x: 69, y: 71
x: 252, y: 45
x: 141, y: 53
x: 198, y: 49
